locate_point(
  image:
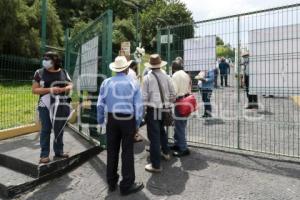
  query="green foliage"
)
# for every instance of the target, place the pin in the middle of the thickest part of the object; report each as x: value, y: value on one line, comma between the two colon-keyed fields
x: 160, y: 14
x: 20, y: 21
x: 224, y: 50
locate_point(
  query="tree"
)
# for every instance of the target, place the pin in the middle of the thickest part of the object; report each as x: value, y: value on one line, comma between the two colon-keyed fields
x: 21, y: 24
x: 224, y: 50
x: 161, y: 14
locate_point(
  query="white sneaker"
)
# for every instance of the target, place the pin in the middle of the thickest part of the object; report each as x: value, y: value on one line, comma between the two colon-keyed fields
x: 167, y: 157
x: 149, y: 168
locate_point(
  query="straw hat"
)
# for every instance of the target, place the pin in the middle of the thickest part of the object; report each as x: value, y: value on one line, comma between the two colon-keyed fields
x: 245, y: 53
x: 120, y: 64
x: 155, y: 62
x: 200, y: 76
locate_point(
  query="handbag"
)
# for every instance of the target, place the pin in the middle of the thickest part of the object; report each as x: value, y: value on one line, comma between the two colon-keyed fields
x: 167, y: 115
x: 186, y: 105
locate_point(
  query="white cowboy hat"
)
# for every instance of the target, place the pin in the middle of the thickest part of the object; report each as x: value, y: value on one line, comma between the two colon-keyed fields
x: 120, y: 64
x: 200, y: 76
x: 155, y: 62
x: 245, y: 53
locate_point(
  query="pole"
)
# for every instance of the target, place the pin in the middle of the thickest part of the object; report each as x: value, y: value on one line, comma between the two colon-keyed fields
x: 44, y: 26
x: 137, y: 26
x: 169, y: 51
x: 238, y: 82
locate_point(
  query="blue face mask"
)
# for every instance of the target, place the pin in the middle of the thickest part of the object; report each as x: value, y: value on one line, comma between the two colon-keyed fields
x: 47, y: 64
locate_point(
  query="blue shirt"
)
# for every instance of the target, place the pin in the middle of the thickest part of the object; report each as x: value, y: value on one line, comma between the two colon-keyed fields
x: 209, y: 83
x: 120, y: 94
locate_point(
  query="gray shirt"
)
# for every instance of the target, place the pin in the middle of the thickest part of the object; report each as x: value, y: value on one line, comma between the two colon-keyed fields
x: 151, y: 94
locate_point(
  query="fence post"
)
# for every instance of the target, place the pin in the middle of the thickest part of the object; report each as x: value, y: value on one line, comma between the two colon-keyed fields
x: 44, y: 26
x: 238, y: 82
x: 158, y: 41
x: 169, y: 51
x: 67, y: 34
x: 80, y: 90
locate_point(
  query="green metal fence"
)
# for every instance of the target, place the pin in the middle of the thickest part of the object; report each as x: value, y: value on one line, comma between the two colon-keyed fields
x: 272, y: 38
x: 17, y: 103
x: 88, y: 55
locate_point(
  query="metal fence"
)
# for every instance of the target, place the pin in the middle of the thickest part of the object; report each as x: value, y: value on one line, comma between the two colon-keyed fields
x: 271, y: 37
x: 17, y: 103
x: 88, y: 55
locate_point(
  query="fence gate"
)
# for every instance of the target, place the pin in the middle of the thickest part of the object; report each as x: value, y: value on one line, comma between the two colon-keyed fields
x: 87, y: 58
x: 272, y: 40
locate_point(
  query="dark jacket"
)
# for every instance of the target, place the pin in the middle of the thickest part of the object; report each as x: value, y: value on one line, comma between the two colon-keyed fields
x: 224, y: 68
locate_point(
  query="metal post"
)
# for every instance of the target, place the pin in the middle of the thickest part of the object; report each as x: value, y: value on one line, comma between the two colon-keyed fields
x: 137, y: 26
x: 238, y: 82
x: 158, y: 41
x: 67, y: 34
x: 44, y: 26
x: 80, y: 90
x: 169, y: 53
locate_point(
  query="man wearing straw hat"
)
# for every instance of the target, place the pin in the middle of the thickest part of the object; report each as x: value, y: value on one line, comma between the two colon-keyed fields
x: 158, y: 94
x: 120, y: 99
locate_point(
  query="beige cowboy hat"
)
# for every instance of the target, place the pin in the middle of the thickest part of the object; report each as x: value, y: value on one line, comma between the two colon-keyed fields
x: 200, y: 76
x: 120, y: 64
x: 155, y: 62
x: 245, y: 53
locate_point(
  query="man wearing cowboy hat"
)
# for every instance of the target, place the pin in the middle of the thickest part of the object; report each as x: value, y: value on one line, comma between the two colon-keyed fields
x: 252, y: 99
x: 153, y: 101
x: 120, y: 99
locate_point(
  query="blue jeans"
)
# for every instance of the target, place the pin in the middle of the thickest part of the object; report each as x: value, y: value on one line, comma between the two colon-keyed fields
x: 180, y: 132
x: 45, y: 133
x: 158, y: 138
x: 206, y: 95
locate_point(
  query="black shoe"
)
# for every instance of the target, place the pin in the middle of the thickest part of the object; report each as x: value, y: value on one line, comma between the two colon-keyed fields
x: 174, y: 148
x: 182, y: 153
x: 112, y: 188
x: 136, y: 187
x: 249, y: 107
x: 255, y: 107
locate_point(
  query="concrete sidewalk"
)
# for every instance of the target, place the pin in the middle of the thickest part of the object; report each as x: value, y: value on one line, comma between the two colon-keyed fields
x: 204, y: 175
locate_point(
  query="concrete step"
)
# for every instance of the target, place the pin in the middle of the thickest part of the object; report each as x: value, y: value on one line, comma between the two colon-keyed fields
x: 20, y: 156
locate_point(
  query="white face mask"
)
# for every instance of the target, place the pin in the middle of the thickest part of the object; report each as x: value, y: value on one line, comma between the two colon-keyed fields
x: 47, y: 64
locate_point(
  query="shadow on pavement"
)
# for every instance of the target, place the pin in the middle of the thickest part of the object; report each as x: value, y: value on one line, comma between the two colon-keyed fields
x: 173, y: 178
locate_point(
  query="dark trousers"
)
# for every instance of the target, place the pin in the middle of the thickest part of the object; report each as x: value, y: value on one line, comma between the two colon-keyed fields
x: 45, y: 133
x: 157, y: 136
x: 224, y: 78
x: 120, y: 131
x: 252, y: 99
x: 206, y: 95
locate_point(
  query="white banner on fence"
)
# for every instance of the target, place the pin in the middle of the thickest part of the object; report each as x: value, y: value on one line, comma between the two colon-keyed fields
x: 89, y: 66
x: 274, y: 61
x: 199, y: 53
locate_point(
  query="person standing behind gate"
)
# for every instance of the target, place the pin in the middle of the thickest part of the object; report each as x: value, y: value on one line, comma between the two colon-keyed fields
x: 252, y: 99
x: 182, y: 85
x: 206, y: 85
x: 120, y: 98
x: 224, y: 70
x: 152, y: 100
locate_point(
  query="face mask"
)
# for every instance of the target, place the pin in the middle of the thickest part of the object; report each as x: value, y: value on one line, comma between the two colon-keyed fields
x: 47, y: 64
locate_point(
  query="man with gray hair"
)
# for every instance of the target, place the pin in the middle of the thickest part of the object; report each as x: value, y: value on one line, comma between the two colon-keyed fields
x: 182, y: 84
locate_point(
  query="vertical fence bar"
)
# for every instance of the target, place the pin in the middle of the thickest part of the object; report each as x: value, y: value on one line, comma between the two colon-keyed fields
x: 169, y: 51
x: 158, y: 41
x: 238, y: 81
x: 44, y: 26
x: 67, y: 34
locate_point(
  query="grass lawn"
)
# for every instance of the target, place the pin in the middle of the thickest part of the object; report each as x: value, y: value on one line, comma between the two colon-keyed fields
x: 17, y: 104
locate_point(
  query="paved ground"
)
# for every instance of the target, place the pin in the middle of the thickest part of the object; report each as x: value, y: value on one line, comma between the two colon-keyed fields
x: 204, y: 175
x: 274, y: 128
